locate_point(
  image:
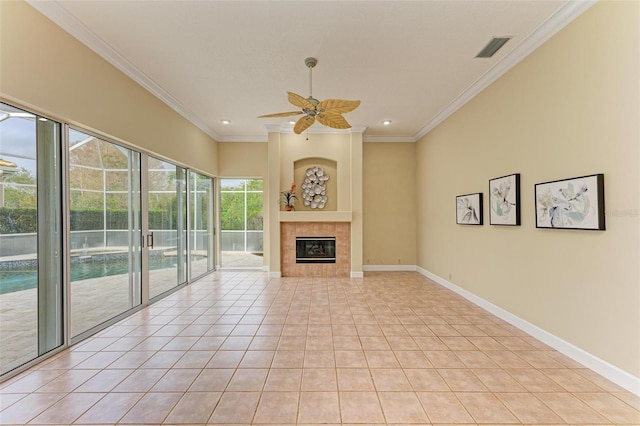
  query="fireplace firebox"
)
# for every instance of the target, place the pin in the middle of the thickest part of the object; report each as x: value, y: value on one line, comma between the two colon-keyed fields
x: 315, y: 249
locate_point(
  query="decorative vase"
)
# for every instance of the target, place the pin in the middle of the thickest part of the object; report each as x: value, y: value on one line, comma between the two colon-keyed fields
x: 288, y: 208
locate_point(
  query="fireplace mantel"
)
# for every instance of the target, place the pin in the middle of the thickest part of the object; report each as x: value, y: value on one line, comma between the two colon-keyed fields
x: 316, y: 216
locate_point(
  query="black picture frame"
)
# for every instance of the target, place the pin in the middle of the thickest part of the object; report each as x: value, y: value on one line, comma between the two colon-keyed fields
x: 574, y: 203
x: 504, y: 200
x: 469, y: 209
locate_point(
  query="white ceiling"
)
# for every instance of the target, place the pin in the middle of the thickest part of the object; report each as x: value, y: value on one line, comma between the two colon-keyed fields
x: 411, y: 62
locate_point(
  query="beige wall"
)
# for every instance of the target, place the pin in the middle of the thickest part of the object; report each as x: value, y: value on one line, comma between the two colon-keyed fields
x: 389, y: 203
x: 45, y: 69
x: 242, y: 160
x: 569, y: 109
x: 389, y: 234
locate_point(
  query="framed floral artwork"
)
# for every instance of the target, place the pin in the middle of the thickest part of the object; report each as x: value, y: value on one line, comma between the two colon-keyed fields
x: 576, y: 203
x: 504, y: 200
x: 469, y: 209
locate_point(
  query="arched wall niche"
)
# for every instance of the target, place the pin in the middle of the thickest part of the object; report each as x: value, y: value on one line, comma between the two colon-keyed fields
x: 330, y: 168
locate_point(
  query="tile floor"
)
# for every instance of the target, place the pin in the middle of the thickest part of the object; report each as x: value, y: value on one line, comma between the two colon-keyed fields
x: 239, y: 348
x: 102, y: 298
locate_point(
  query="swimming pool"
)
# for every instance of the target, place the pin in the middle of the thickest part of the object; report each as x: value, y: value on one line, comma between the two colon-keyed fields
x: 25, y: 277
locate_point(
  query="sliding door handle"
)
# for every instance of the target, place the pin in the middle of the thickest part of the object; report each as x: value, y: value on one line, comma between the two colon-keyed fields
x: 150, y: 240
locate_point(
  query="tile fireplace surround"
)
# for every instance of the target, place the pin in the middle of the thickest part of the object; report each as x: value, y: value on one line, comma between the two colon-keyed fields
x: 290, y: 230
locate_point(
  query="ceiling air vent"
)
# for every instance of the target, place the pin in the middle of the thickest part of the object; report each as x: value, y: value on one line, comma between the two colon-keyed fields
x: 492, y: 47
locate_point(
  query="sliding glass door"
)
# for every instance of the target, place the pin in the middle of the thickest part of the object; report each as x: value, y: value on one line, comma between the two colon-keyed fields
x: 201, y: 208
x: 167, y: 237
x: 99, y: 264
x: 105, y: 247
x: 30, y: 237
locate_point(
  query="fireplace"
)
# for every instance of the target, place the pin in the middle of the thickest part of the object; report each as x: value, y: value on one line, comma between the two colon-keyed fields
x: 290, y: 232
x: 315, y: 249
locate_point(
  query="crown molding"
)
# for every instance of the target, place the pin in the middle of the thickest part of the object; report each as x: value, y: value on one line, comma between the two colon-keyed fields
x: 288, y: 129
x: 563, y: 16
x: 244, y: 138
x: 277, y: 128
x: 274, y: 128
x: 357, y: 129
x: 61, y: 17
x: 387, y: 139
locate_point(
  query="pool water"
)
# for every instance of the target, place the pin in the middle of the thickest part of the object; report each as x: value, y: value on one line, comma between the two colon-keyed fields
x: 26, y: 278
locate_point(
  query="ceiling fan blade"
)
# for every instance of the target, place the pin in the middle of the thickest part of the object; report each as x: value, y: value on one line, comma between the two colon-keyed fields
x: 282, y: 114
x: 303, y: 123
x: 336, y: 121
x: 299, y: 101
x: 338, y: 106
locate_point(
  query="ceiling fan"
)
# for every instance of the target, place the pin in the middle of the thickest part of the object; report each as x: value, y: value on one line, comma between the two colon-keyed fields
x: 328, y: 112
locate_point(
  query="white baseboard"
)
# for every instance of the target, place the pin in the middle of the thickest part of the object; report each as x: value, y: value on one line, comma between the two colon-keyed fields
x: 240, y: 268
x: 265, y: 268
x: 278, y: 274
x: 602, y: 367
x: 388, y: 268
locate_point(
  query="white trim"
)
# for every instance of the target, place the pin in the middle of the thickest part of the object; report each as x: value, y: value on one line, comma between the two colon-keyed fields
x: 316, y: 130
x: 275, y: 274
x: 273, y: 128
x: 59, y: 15
x: 388, y: 268
x: 374, y: 138
x: 600, y: 366
x: 567, y: 13
x: 277, y: 128
x: 240, y: 268
x: 355, y: 274
x: 265, y: 268
x: 246, y: 138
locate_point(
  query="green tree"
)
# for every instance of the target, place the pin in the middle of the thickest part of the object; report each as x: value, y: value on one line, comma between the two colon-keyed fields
x: 232, y: 211
x: 254, y: 211
x: 232, y: 205
x: 20, y: 189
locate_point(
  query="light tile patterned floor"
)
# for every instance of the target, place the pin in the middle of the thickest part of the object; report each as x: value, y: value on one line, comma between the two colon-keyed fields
x: 239, y: 348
